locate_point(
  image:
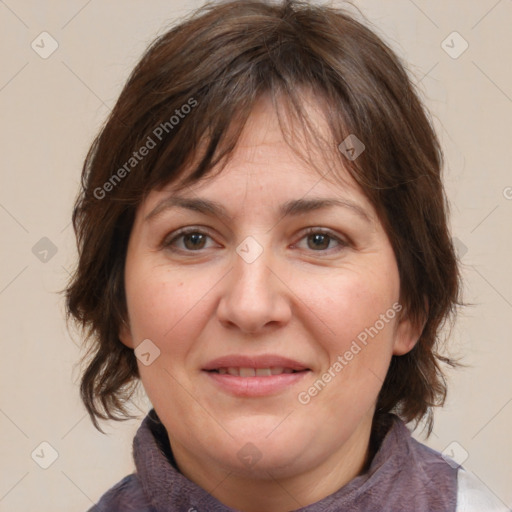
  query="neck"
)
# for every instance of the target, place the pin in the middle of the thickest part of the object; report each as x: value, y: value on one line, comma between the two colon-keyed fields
x: 275, y: 491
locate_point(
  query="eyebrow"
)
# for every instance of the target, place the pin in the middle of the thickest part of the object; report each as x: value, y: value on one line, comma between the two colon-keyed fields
x: 293, y: 207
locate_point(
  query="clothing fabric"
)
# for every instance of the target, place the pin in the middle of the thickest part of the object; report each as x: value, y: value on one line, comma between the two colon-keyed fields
x: 403, y: 476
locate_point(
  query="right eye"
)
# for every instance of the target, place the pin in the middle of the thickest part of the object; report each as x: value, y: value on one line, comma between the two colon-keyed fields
x: 188, y: 240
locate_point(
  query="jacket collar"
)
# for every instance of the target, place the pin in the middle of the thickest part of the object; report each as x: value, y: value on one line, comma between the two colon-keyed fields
x: 402, y: 472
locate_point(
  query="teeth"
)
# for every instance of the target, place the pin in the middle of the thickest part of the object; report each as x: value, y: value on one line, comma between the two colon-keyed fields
x: 254, y: 372
x: 247, y: 372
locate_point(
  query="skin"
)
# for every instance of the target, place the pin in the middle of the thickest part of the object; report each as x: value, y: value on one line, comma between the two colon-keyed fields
x: 304, y: 298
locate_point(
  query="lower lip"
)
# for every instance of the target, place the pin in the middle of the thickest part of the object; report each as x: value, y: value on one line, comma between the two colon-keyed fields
x: 256, y: 386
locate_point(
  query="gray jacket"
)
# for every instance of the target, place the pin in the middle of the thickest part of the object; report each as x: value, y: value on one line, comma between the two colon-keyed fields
x: 404, y: 476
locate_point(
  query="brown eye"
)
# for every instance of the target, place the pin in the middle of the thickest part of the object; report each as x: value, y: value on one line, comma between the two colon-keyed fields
x: 194, y: 241
x: 188, y: 240
x: 318, y: 241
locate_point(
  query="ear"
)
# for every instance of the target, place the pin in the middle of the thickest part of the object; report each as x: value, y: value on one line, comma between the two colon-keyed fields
x: 125, y: 335
x: 407, y: 334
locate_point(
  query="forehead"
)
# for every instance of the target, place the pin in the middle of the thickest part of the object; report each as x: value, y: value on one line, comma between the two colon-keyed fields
x: 276, y: 155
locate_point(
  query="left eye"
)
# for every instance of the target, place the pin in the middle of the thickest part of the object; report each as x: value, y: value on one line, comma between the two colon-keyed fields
x: 321, y: 241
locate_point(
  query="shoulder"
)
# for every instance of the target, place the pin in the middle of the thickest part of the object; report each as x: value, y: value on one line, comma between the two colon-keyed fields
x: 125, y: 496
x: 474, y: 496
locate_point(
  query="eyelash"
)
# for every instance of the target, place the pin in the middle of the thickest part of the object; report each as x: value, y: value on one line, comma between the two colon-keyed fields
x: 168, y: 242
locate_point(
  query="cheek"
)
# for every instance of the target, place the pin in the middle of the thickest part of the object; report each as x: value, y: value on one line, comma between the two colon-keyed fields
x: 171, y: 309
x: 358, y: 310
x: 352, y: 302
x: 167, y: 307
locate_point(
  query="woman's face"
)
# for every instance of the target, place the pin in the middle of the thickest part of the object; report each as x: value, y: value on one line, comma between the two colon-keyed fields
x: 272, y: 319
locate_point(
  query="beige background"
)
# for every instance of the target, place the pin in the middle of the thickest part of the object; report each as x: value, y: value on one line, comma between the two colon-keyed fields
x: 51, y: 108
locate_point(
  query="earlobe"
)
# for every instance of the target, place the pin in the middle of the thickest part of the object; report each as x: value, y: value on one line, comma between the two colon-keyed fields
x: 125, y: 335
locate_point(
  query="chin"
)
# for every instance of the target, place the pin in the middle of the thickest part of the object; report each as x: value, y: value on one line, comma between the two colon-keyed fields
x: 267, y: 451
x: 264, y: 464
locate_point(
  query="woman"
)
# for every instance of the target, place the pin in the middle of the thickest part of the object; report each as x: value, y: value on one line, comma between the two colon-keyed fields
x: 263, y: 244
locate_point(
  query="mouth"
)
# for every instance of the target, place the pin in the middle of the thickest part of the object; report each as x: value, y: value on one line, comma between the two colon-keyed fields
x: 254, y: 372
x: 255, y: 376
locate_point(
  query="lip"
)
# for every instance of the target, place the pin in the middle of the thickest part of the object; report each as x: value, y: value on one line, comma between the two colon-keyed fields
x: 261, y: 361
x: 255, y: 386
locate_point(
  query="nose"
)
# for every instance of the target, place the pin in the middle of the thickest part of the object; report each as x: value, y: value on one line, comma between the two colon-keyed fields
x: 254, y: 297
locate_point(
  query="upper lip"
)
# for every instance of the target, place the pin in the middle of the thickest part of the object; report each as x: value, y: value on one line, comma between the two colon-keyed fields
x: 261, y: 361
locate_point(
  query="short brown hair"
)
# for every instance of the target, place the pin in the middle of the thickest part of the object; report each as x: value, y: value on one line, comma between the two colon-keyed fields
x: 219, y: 62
